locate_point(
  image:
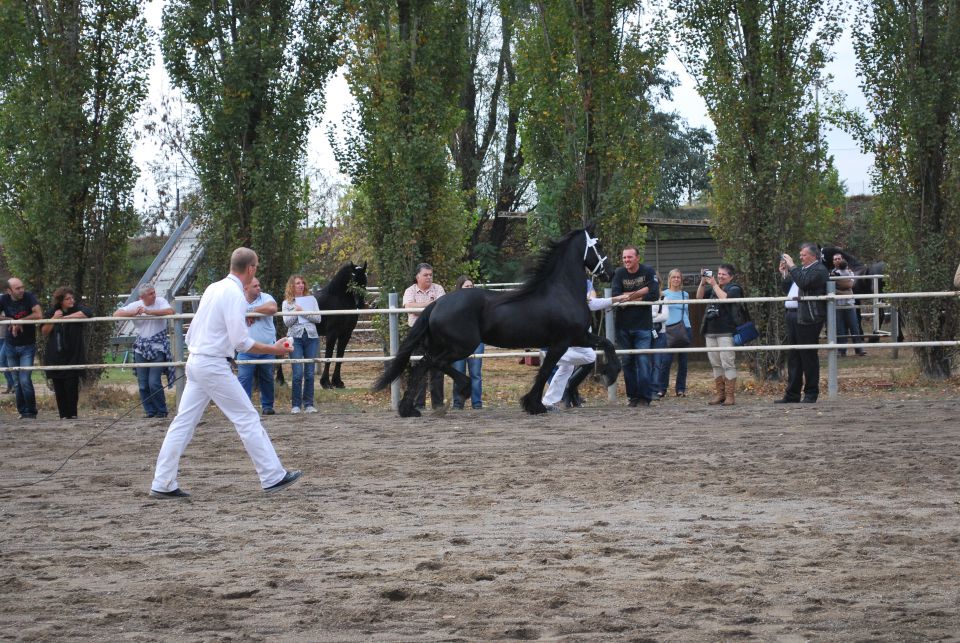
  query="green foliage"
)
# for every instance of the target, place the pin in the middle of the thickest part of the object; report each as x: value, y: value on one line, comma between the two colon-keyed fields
x: 404, y: 69
x: 757, y: 65
x: 255, y: 73
x: 907, y: 55
x: 585, y: 70
x: 685, y: 166
x: 72, y: 77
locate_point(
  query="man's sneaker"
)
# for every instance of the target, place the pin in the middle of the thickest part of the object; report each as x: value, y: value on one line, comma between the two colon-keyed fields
x: 295, y: 410
x: 286, y: 481
x: 309, y: 409
x: 169, y: 495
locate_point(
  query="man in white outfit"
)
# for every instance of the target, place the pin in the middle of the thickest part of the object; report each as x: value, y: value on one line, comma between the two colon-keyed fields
x: 579, y: 355
x: 216, y: 333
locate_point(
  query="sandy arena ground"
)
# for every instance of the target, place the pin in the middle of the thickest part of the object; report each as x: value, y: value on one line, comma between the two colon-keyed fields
x: 837, y: 521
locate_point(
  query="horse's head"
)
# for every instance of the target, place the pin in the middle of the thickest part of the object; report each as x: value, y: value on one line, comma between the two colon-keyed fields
x: 358, y: 283
x: 594, y: 258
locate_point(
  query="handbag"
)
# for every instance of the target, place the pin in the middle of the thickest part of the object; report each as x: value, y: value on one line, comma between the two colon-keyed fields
x: 678, y: 336
x: 746, y: 333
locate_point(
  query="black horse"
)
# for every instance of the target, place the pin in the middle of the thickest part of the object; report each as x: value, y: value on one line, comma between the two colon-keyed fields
x: 860, y: 286
x: 346, y: 291
x: 549, y: 309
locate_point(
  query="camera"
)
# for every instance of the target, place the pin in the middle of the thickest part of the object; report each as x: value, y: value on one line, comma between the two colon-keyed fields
x: 712, y: 312
x: 707, y: 273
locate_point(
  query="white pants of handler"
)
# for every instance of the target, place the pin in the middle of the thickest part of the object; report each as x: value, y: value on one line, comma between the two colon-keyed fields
x: 574, y: 357
x: 210, y: 379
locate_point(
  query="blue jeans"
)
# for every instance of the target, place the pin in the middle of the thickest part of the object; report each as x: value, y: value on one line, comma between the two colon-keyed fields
x: 23, y: 356
x: 304, y: 348
x: 637, y: 369
x: 665, y: 362
x: 847, y: 325
x: 3, y: 362
x: 474, y: 364
x: 262, y: 374
x: 151, y: 387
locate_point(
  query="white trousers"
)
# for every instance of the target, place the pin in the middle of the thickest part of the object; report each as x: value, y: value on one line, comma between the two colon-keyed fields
x: 724, y: 363
x: 210, y: 379
x: 574, y: 357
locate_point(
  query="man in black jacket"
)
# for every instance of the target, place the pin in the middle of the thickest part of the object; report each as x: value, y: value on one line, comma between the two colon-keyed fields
x: 804, y: 322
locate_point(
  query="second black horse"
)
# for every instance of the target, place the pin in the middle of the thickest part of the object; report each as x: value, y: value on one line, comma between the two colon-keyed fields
x: 548, y: 310
x: 346, y: 291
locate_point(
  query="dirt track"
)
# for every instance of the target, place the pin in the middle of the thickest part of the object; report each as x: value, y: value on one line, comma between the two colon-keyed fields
x: 836, y: 521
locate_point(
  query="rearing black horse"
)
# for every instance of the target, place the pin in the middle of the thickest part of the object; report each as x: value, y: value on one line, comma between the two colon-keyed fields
x: 549, y: 309
x: 860, y: 286
x: 347, y: 290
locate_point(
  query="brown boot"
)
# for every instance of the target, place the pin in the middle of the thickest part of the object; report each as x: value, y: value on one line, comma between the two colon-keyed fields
x: 721, y: 393
x: 730, y: 389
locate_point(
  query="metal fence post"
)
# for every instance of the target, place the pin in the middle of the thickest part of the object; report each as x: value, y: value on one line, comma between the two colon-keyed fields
x: 832, y: 339
x: 394, y: 346
x: 178, y: 348
x: 609, y: 322
x: 895, y: 330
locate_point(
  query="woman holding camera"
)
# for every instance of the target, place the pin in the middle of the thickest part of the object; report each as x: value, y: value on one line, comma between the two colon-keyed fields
x: 719, y: 325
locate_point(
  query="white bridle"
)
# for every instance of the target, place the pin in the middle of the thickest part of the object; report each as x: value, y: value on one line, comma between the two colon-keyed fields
x: 592, y: 243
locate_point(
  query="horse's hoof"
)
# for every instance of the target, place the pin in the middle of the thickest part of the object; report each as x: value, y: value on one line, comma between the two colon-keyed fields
x: 338, y: 384
x: 325, y: 385
x: 409, y: 413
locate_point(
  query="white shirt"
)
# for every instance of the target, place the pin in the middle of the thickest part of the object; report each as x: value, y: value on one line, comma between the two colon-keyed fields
x: 793, y: 294
x: 219, y: 329
x: 148, y: 326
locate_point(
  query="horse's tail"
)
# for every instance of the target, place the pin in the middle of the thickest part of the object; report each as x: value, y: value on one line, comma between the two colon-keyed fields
x: 394, y: 368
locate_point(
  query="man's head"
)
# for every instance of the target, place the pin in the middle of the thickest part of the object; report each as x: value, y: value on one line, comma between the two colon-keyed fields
x: 424, y: 276
x: 252, y: 290
x: 837, y: 260
x: 809, y: 254
x: 15, y: 288
x: 630, y: 258
x: 148, y: 294
x: 243, y: 263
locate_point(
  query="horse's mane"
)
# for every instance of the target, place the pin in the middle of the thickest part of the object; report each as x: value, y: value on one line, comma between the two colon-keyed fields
x: 340, y: 280
x: 543, y: 269
x: 852, y: 262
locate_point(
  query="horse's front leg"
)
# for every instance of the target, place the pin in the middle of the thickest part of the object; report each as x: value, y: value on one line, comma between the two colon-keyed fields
x: 407, y: 407
x: 461, y: 381
x: 613, y: 366
x: 341, y: 349
x: 532, y: 402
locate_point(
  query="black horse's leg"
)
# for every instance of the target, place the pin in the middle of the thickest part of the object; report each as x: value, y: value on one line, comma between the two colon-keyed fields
x: 613, y: 367
x: 532, y: 402
x: 418, y: 372
x: 328, y: 351
x: 461, y: 381
x: 342, y: 340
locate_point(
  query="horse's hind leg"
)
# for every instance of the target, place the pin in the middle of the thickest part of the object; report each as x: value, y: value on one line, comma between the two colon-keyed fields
x: 328, y: 351
x: 461, y: 381
x: 532, y: 402
x: 415, y: 379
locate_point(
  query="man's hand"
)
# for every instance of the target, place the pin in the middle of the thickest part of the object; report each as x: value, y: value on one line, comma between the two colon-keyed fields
x: 283, y: 346
x: 787, y: 261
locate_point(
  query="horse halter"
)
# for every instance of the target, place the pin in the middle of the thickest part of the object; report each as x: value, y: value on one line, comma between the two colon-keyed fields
x: 592, y: 243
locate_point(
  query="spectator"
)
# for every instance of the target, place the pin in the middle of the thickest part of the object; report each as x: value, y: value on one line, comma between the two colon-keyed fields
x: 65, y: 348
x: 678, y: 314
x: 635, y: 325
x: 847, y: 324
x: 151, y: 346
x: 262, y: 330
x: 956, y: 278
x: 302, y: 330
x: 21, y: 342
x: 804, y: 322
x: 474, y: 364
x: 719, y: 325
x: 420, y: 295
x: 7, y: 375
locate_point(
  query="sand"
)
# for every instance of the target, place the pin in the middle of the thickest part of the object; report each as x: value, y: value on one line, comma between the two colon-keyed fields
x: 839, y: 520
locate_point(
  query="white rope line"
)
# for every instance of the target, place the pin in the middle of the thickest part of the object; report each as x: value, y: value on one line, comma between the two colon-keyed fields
x: 404, y: 311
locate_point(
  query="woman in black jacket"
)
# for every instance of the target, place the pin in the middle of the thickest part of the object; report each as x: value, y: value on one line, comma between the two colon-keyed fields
x: 719, y: 325
x: 65, y: 348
